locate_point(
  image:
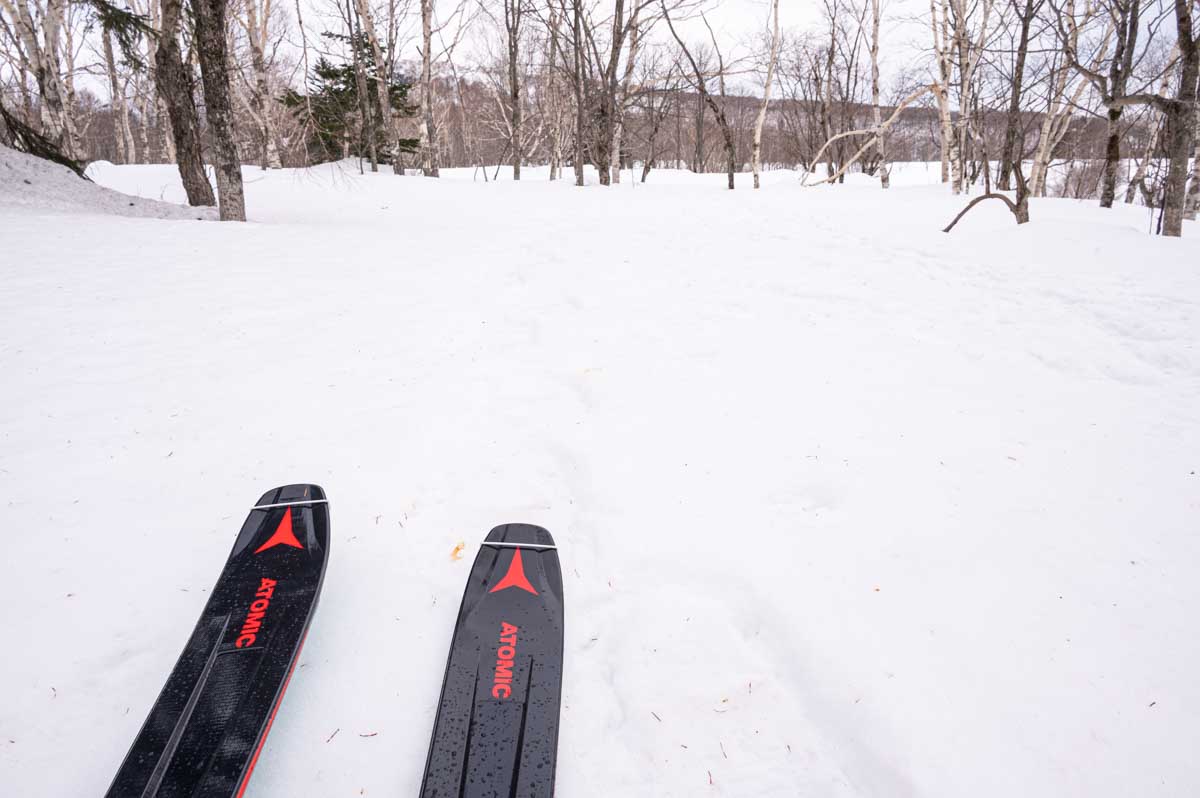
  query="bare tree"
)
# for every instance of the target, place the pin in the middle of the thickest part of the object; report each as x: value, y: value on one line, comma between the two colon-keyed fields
x: 173, y: 82
x: 255, y: 19
x: 700, y: 82
x: 41, y: 53
x: 1064, y: 95
x: 1178, y: 111
x: 1192, y: 206
x: 881, y: 144
x: 772, y: 57
x: 212, y: 48
x: 1014, y: 149
x: 1124, y: 18
x: 577, y: 73
x: 126, y: 150
x: 383, y: 64
x: 429, y: 163
x: 875, y: 132
x: 513, y: 12
x: 365, y: 103
x: 939, y: 20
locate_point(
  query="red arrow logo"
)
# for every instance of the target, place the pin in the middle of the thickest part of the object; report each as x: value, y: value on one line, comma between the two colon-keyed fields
x: 515, y: 576
x: 284, y: 536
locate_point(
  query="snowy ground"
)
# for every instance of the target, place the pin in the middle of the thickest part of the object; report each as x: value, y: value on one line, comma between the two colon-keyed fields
x: 846, y: 506
x: 40, y: 186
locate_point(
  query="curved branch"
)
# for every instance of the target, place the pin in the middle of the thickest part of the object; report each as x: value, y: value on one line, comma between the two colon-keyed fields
x: 1012, y: 206
x: 876, y: 131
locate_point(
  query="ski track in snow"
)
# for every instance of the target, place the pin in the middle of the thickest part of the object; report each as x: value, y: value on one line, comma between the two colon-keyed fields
x: 846, y: 506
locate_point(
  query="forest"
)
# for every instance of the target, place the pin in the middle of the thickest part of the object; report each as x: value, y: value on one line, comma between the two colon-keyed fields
x: 1092, y: 100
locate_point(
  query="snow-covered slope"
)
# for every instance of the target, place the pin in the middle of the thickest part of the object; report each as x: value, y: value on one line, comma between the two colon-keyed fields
x: 847, y: 506
x: 37, y: 185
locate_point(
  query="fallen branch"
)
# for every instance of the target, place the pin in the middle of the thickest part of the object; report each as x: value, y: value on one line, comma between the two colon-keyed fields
x: 23, y: 138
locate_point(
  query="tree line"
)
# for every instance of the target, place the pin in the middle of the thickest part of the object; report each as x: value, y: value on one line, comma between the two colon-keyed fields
x: 1085, y: 98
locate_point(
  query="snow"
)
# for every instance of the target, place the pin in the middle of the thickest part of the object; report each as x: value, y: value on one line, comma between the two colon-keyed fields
x: 33, y: 184
x: 846, y: 506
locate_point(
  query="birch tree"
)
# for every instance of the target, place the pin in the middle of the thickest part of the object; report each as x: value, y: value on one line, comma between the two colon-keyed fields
x: 772, y: 57
x: 389, y: 121
x: 939, y: 20
x: 881, y: 145
x: 126, y: 150
x: 39, y: 29
x: 1124, y: 23
x: 700, y: 83
x: 513, y: 13
x: 1065, y: 93
x: 256, y: 15
x: 1178, y: 111
x: 1013, y: 150
x: 429, y: 165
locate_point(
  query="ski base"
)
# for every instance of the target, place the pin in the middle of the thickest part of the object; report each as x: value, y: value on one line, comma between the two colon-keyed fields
x: 205, y: 731
x: 496, y: 732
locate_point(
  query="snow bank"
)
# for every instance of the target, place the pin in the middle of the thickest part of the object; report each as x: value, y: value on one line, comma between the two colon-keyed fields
x: 37, y: 184
x: 846, y: 506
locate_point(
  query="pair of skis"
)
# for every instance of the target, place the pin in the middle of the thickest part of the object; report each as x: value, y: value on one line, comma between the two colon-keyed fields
x: 496, y: 731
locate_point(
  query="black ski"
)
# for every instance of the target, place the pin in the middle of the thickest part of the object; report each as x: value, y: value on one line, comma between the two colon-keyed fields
x: 210, y: 721
x: 496, y: 732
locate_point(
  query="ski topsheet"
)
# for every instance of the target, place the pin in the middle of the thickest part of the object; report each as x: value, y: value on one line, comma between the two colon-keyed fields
x: 206, y: 729
x: 496, y: 732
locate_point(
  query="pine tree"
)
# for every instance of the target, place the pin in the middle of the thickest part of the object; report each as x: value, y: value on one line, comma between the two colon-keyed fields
x: 336, y: 126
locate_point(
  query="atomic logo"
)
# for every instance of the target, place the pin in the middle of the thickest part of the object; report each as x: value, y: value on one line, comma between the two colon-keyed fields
x: 284, y: 536
x: 515, y: 576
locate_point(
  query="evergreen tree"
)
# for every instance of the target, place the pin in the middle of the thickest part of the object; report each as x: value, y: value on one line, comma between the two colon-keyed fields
x: 331, y: 107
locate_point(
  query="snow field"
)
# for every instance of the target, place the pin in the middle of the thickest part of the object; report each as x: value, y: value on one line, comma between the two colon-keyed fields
x: 846, y: 506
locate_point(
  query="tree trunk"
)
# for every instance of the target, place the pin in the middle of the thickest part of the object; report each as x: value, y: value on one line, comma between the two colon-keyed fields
x: 580, y: 119
x: 260, y: 95
x: 173, y: 82
x: 145, y: 108
x: 1180, y: 120
x: 951, y: 161
x: 621, y: 94
x: 881, y: 144
x: 1118, y: 78
x: 429, y: 164
x: 120, y: 116
x: 1139, y: 174
x: 163, y: 119
x: 512, y: 22
x: 214, y: 69
x: 552, y: 91
x: 56, y: 121
x: 756, y: 146
x: 718, y: 110
x: 367, y: 134
x: 1193, y: 195
x: 1112, y: 159
x: 387, y: 118
x: 826, y: 87
x: 1013, y: 149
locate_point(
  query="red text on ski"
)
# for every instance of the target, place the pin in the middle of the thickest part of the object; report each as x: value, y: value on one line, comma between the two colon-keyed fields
x: 515, y: 576
x: 254, y: 616
x: 506, y: 652
x: 284, y: 535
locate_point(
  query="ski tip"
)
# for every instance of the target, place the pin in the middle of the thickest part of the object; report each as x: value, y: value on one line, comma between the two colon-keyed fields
x: 292, y: 494
x: 520, y: 534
